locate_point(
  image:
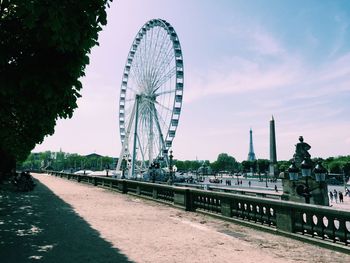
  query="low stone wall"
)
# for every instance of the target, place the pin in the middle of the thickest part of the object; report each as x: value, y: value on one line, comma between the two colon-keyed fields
x: 324, y: 226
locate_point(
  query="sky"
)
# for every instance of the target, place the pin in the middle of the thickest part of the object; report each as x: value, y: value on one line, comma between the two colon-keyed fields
x: 244, y: 61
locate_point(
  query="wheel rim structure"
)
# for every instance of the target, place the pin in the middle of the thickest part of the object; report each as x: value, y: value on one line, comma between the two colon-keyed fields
x: 151, y: 96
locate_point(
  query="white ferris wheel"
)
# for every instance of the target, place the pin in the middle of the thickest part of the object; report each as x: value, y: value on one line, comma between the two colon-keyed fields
x: 150, y: 97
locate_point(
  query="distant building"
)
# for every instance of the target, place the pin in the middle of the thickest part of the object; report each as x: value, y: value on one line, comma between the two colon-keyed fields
x: 251, y: 154
x: 93, y: 155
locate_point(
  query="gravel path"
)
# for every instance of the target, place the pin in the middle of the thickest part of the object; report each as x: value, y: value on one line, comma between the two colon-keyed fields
x: 144, y: 231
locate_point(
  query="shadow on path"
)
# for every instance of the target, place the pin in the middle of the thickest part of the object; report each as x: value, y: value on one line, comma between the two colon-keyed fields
x: 39, y: 227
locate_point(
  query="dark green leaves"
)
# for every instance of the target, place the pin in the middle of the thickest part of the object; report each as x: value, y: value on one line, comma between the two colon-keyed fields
x: 43, y: 53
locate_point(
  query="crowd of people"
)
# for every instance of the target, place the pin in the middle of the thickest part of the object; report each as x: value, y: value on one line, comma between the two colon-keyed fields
x: 23, y: 181
x: 338, y: 195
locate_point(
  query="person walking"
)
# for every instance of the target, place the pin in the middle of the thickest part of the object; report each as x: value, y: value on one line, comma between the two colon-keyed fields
x: 249, y: 183
x: 335, y: 195
x: 341, y: 198
x: 276, y: 188
x: 331, y: 196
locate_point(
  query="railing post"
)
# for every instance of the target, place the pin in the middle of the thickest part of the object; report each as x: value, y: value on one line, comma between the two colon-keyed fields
x: 189, y: 200
x: 183, y: 198
x: 138, y: 190
x: 285, y: 219
x: 95, y: 181
x: 155, y: 193
x: 226, y: 207
x: 122, y: 186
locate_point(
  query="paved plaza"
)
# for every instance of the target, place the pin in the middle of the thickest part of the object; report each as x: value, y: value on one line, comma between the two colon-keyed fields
x: 64, y: 221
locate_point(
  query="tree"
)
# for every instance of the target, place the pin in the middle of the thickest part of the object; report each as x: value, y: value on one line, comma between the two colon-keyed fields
x: 44, y: 48
x: 263, y: 165
x: 225, y: 162
x: 283, y: 166
x: 248, y: 166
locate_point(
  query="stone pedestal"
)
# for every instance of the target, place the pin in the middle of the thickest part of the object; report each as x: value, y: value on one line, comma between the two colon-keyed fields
x: 318, y: 191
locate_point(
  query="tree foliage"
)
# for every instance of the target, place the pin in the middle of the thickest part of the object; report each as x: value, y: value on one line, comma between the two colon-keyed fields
x: 226, y: 163
x: 187, y: 165
x: 44, y: 47
x: 263, y: 165
x: 59, y: 161
x: 248, y: 166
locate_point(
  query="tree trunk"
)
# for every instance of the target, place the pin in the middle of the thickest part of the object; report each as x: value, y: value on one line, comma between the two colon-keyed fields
x: 7, y: 164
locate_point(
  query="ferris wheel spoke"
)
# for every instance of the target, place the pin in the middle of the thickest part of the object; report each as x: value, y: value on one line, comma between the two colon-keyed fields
x: 148, y: 66
x: 139, y: 64
x: 157, y: 64
x: 166, y: 59
x: 128, y: 100
x: 163, y: 79
x: 165, y: 92
x: 158, y: 46
x: 135, y: 74
x: 164, y: 107
x: 151, y: 55
x: 130, y: 88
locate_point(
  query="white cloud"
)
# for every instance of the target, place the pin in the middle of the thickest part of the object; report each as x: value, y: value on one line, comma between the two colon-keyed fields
x: 257, y: 39
x: 347, y: 140
x: 242, y: 75
x: 339, y: 40
x: 266, y: 44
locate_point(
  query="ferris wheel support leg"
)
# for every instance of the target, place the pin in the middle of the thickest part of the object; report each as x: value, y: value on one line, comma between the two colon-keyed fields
x: 151, y: 135
x: 126, y: 139
x: 160, y: 133
x: 135, y: 137
x: 143, y: 165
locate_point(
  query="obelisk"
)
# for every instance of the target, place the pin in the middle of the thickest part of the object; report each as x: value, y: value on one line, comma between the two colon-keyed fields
x: 273, y: 154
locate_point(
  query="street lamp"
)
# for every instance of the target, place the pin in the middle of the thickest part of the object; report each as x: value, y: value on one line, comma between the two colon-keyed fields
x: 151, y: 172
x: 170, y: 180
x: 305, y: 168
x: 320, y: 173
x: 293, y: 172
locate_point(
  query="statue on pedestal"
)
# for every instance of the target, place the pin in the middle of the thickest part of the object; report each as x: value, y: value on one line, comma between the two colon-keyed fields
x: 301, y: 151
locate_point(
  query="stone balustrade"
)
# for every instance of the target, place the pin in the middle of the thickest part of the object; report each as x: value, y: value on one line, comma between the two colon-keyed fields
x: 324, y: 226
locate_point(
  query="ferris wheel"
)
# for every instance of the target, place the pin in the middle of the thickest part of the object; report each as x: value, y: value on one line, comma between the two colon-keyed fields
x: 150, y: 96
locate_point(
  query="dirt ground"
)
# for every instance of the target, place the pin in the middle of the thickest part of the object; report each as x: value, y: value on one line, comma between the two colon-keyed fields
x: 122, y: 228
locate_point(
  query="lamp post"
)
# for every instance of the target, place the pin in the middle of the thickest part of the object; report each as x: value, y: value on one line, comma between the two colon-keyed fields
x: 344, y: 181
x: 306, y: 173
x: 303, y: 189
x: 151, y: 169
x: 170, y: 180
x: 303, y: 180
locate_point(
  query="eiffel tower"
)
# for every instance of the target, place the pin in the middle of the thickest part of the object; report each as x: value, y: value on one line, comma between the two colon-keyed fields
x: 251, y: 154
